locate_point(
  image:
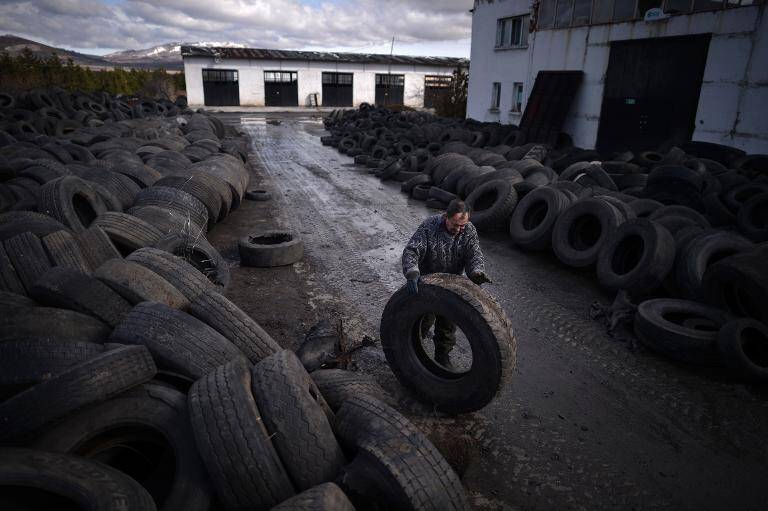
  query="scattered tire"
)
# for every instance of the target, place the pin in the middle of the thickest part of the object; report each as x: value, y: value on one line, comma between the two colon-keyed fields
x: 136, y: 283
x: 144, y: 433
x: 71, y: 289
x: 9, y: 279
x: 127, y: 232
x: 175, y: 270
x: 44, y: 323
x: 63, y: 250
x: 199, y: 253
x: 323, y: 497
x: 582, y: 230
x: 492, y: 204
x: 71, y: 201
x: 752, y: 218
x: 744, y: 345
x: 645, y: 207
x: 53, y: 480
x: 93, y: 381
x: 296, y: 417
x: 28, y: 258
x: 534, y: 218
x: 232, y: 441
x: 178, y: 342
x: 740, y: 284
x: 270, y: 248
x: 482, y: 320
x: 660, y: 324
x: 258, y: 195
x: 637, y: 257
x: 338, y: 385
x: 96, y: 246
x: 233, y: 323
x: 394, y: 461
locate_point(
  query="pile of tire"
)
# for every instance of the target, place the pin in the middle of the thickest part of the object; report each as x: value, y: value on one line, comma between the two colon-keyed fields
x: 129, y: 381
x: 655, y: 225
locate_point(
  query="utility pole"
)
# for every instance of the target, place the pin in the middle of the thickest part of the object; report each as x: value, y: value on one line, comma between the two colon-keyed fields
x: 391, y: 50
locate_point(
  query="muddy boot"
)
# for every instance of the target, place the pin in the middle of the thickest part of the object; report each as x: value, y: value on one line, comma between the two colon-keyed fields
x: 443, y: 357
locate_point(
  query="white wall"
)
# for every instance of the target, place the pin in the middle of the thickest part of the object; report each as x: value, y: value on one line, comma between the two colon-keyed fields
x: 251, y: 78
x: 733, y: 105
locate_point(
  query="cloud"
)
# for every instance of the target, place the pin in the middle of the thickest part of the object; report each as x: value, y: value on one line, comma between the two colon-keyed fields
x: 287, y: 24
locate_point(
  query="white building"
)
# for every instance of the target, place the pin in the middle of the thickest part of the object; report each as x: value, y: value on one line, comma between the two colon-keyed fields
x: 653, y: 70
x: 257, y: 77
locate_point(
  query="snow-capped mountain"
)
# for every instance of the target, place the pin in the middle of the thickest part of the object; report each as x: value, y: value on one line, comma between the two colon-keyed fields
x: 169, y: 53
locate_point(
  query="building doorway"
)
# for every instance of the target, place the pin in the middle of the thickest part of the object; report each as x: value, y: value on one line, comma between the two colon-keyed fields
x: 281, y: 88
x: 220, y: 87
x: 389, y: 89
x: 337, y: 89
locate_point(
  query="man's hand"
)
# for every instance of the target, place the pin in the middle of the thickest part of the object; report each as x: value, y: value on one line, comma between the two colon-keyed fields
x: 480, y: 278
x: 413, y: 283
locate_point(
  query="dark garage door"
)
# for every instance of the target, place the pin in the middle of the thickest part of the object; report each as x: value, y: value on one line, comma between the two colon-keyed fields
x: 281, y: 88
x: 389, y: 89
x: 220, y: 87
x: 435, y: 89
x: 337, y: 89
x: 651, y: 92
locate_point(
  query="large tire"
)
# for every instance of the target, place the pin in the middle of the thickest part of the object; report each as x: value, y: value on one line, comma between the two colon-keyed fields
x: 582, y: 230
x: 740, y: 284
x: 534, y: 218
x: 744, y: 345
x: 338, y: 385
x: 146, y: 434
x: 28, y: 257
x: 177, y: 341
x: 182, y: 275
x: 323, y: 497
x: 637, y: 257
x: 67, y: 288
x: 63, y: 250
x: 752, y: 218
x: 29, y: 362
x: 233, y: 323
x: 71, y: 201
x: 95, y: 380
x: 661, y: 325
x: 90, y: 485
x: 485, y: 325
x: 9, y: 279
x: 699, y: 254
x: 96, y: 246
x: 199, y: 253
x: 395, y: 462
x: 38, y: 224
x: 43, y: 323
x: 194, y: 186
x: 235, y: 447
x: 165, y: 198
x: 492, y: 204
x: 136, y: 284
x: 296, y: 417
x: 168, y: 220
x: 270, y: 248
x: 127, y: 232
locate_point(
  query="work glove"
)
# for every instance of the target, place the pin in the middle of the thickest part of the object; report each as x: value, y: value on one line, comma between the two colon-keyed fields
x: 480, y: 278
x: 413, y: 283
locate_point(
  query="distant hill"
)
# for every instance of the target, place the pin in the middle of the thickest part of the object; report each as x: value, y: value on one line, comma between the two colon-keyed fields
x: 14, y: 45
x: 166, y: 55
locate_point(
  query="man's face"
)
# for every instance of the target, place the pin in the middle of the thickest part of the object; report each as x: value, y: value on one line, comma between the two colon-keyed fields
x: 456, y: 223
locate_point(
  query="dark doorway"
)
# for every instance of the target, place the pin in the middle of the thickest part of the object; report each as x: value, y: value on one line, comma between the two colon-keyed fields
x: 281, y: 88
x: 337, y: 89
x: 220, y: 87
x: 651, y: 92
x: 548, y: 104
x: 389, y: 89
x: 435, y: 89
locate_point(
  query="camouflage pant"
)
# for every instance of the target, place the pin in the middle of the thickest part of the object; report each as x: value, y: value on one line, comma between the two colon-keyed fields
x: 445, y: 332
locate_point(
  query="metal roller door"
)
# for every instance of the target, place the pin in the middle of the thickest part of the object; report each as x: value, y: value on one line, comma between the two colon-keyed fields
x: 389, y: 89
x: 337, y: 89
x: 220, y: 87
x: 435, y: 89
x: 281, y: 88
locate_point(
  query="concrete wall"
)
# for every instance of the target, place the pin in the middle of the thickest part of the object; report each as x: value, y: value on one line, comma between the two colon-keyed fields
x: 734, y: 94
x: 251, y: 76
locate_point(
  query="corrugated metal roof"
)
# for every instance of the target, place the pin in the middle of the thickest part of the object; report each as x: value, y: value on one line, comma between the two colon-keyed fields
x: 362, y: 58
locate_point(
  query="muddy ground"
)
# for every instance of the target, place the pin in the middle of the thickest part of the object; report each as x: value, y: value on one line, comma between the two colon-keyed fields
x: 587, y: 422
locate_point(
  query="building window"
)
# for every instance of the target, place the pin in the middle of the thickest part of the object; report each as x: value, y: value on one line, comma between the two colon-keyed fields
x: 512, y: 32
x: 517, y: 97
x: 219, y: 75
x: 280, y: 76
x: 564, y: 13
x: 495, y: 96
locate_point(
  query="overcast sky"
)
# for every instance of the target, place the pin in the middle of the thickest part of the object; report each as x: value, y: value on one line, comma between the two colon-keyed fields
x: 420, y: 27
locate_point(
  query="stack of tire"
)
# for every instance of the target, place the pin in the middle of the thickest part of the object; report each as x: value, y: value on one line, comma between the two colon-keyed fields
x: 652, y: 224
x: 129, y: 381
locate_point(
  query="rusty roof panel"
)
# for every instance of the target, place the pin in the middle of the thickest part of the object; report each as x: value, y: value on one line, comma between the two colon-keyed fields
x: 360, y: 58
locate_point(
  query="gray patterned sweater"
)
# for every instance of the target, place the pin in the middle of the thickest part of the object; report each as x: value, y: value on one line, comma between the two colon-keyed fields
x: 432, y: 249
